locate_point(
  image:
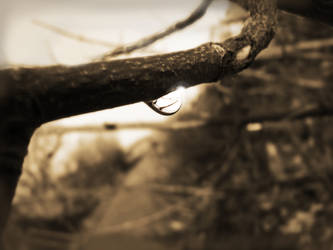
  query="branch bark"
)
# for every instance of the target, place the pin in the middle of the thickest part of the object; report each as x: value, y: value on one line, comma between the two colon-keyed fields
x: 59, y: 91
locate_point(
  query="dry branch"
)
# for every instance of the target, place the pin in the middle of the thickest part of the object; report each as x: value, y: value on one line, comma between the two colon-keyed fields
x: 300, y: 47
x: 74, y: 36
x: 140, y: 44
x: 194, y: 16
x: 144, y: 221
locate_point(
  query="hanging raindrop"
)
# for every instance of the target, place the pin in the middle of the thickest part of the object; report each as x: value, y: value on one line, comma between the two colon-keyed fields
x: 168, y: 104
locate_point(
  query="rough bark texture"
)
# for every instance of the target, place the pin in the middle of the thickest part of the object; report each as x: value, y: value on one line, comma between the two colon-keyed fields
x: 59, y: 91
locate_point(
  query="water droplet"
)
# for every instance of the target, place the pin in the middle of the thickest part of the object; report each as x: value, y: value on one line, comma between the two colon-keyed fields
x: 168, y: 104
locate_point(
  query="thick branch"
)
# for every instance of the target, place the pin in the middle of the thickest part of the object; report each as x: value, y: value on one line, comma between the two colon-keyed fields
x: 60, y: 91
x: 256, y: 34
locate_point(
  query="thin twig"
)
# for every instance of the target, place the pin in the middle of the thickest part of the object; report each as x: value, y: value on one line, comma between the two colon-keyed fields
x: 278, y: 51
x: 269, y: 77
x: 193, y: 17
x: 74, y: 36
x: 180, y: 189
x: 312, y: 110
x: 142, y: 221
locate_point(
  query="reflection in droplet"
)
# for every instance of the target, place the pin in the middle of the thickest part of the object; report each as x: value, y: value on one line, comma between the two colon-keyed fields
x: 168, y: 104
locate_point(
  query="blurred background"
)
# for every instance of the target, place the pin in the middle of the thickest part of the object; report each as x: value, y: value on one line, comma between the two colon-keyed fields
x: 245, y: 164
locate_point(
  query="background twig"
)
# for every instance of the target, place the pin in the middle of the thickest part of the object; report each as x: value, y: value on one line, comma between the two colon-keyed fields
x: 194, y: 16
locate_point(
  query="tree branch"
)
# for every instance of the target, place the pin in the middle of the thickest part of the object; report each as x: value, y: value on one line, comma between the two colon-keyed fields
x: 72, y: 35
x: 32, y: 96
x: 140, y: 44
x: 300, y: 47
x: 60, y: 91
x: 193, y: 17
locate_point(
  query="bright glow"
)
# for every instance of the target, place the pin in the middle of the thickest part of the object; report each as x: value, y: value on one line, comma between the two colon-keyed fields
x: 252, y: 127
x: 181, y: 89
x: 127, y: 138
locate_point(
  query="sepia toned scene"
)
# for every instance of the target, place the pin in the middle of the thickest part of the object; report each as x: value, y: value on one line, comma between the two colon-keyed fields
x: 239, y: 160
